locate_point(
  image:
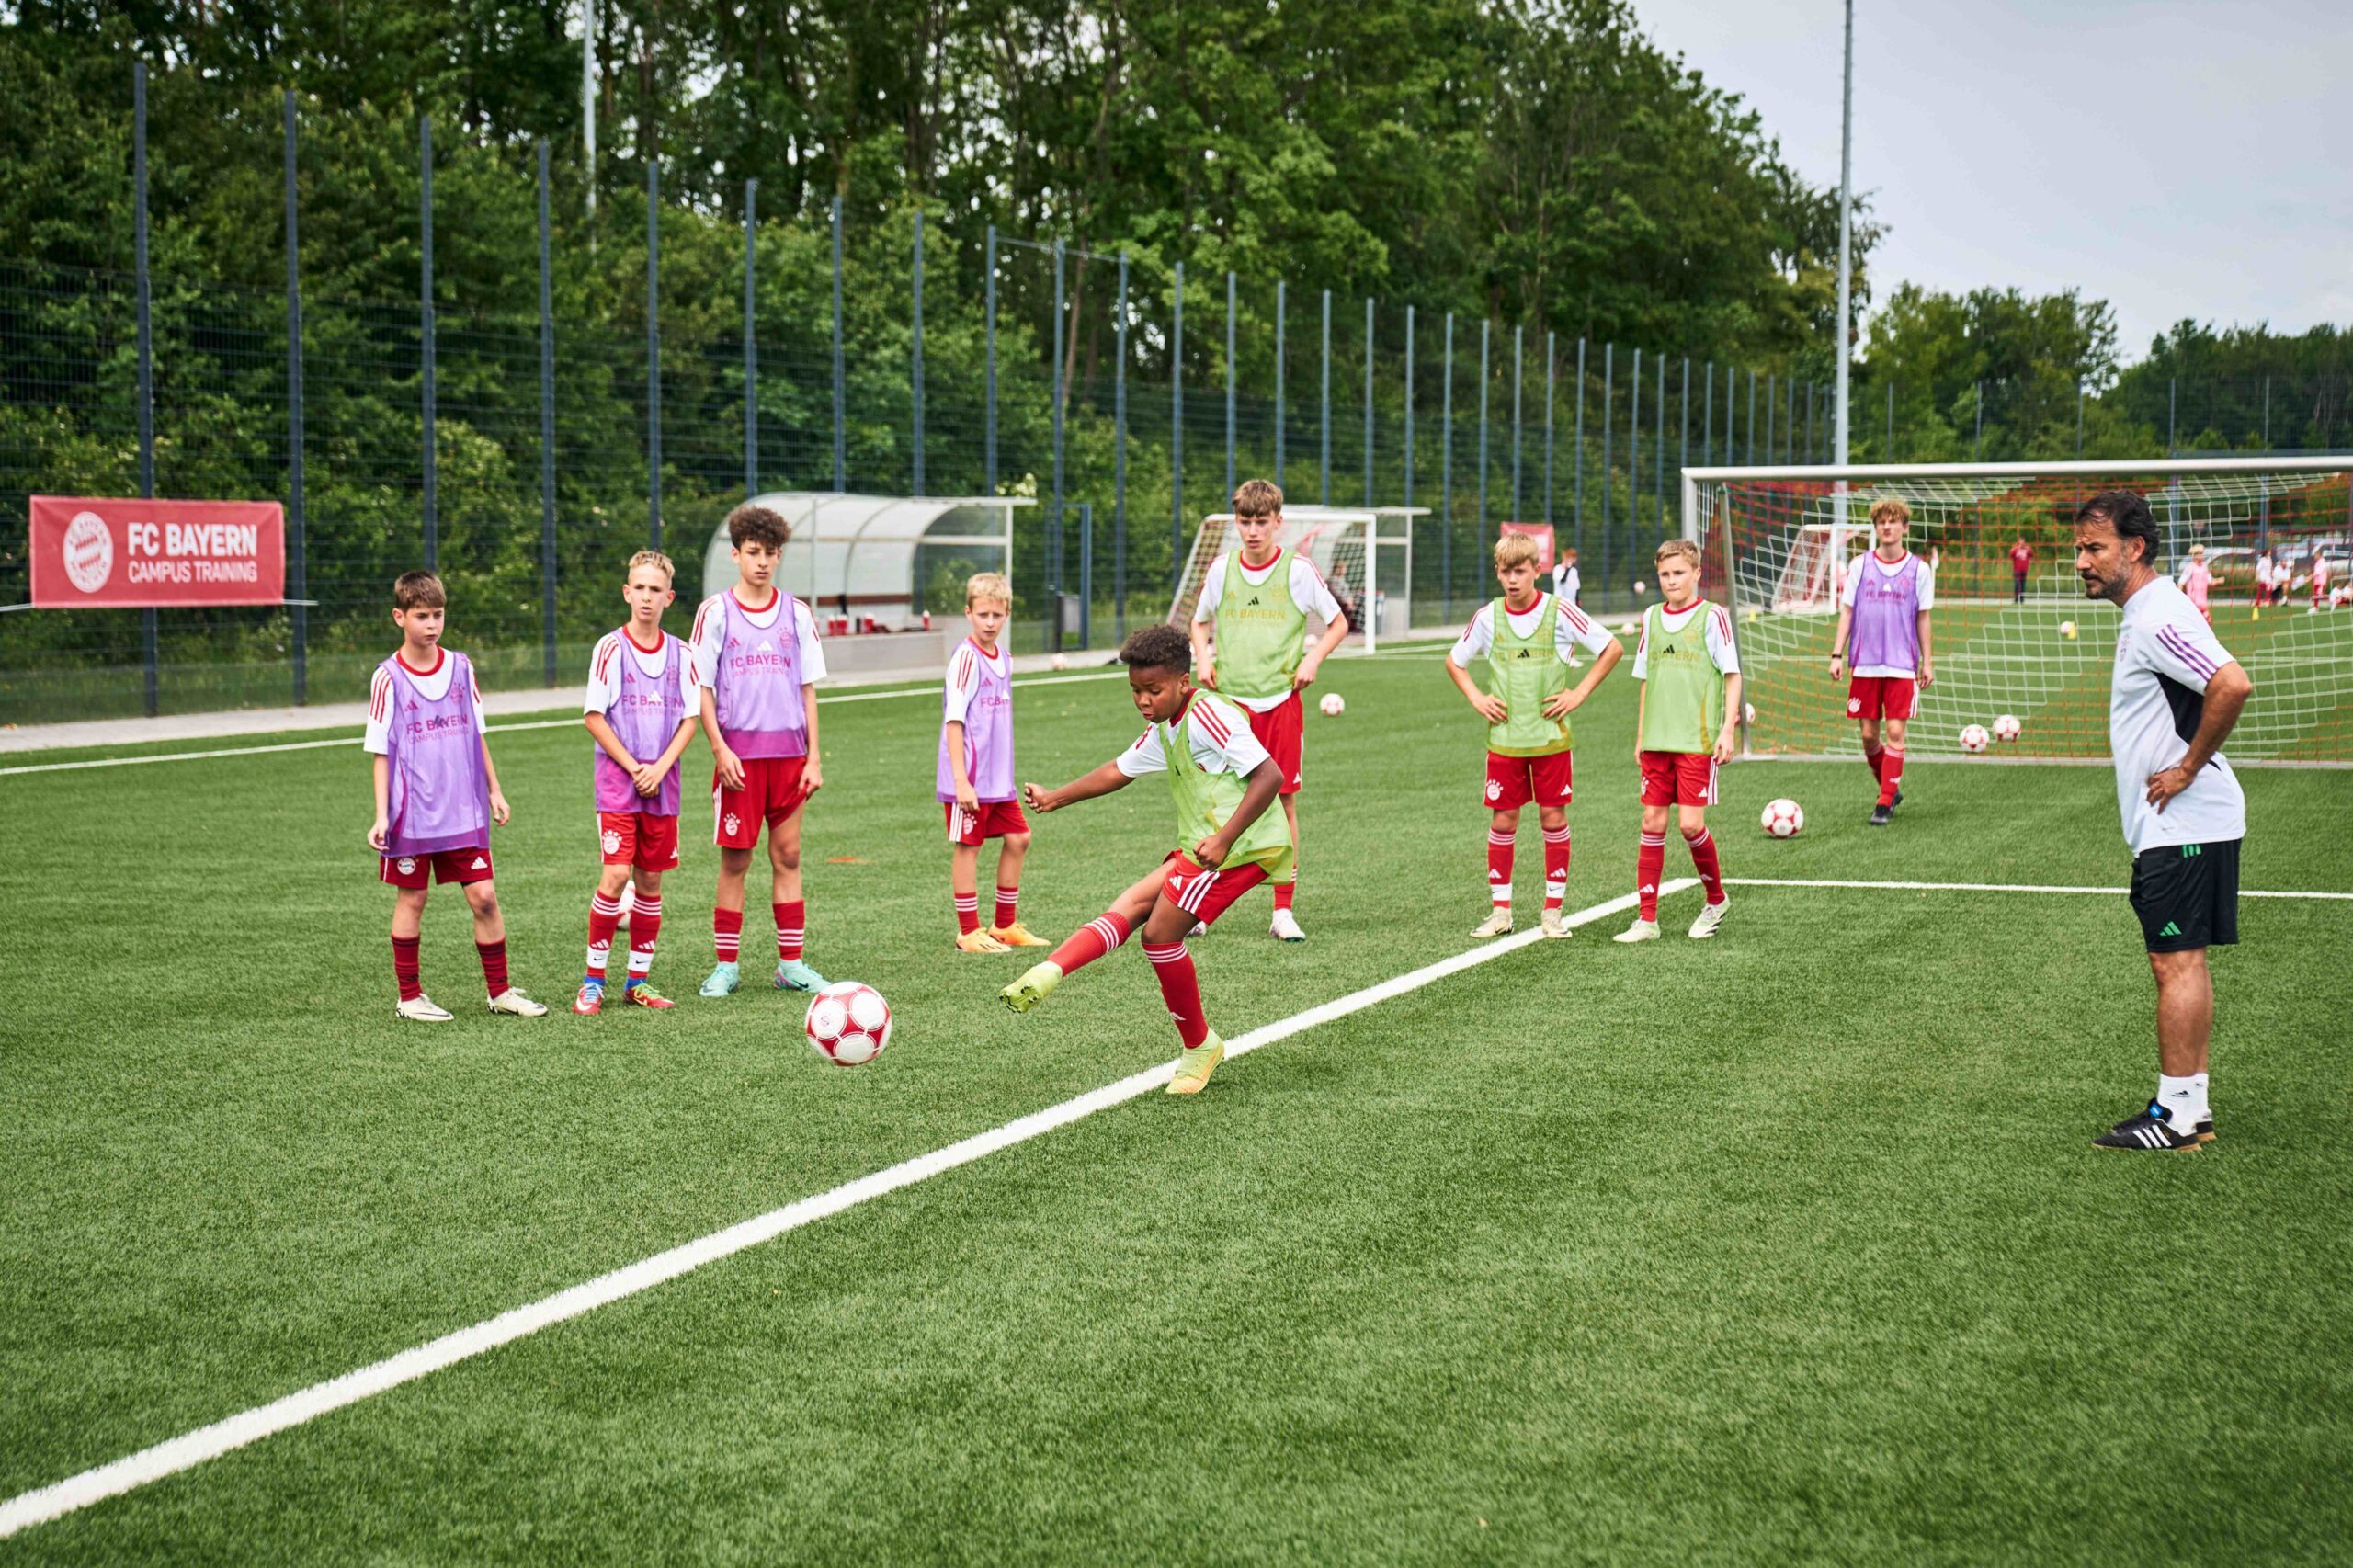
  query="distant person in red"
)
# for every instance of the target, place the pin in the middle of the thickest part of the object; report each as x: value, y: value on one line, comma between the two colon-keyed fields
x: 2021, y: 560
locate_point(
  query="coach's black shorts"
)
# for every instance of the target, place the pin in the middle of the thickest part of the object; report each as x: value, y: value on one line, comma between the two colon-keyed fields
x: 2187, y: 896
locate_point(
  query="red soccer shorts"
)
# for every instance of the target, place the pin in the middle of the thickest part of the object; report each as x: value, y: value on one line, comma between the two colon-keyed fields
x: 1513, y: 781
x: 1875, y: 696
x: 1278, y: 730
x: 1678, y: 777
x: 459, y: 866
x: 638, y: 838
x: 993, y: 820
x: 771, y: 793
x: 1205, y: 895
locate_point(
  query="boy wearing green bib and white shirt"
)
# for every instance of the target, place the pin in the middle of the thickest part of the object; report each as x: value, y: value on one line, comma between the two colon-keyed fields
x: 1222, y: 781
x: 1529, y: 640
x: 1689, y: 669
x: 1260, y: 599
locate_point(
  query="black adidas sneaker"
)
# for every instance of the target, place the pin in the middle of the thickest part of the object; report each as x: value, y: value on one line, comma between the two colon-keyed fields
x: 2151, y: 1131
x: 1883, y: 816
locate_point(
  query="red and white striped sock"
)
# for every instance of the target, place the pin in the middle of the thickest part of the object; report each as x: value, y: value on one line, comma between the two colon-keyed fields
x: 1872, y: 752
x: 1009, y: 904
x: 1097, y: 939
x: 603, y: 919
x: 1650, y: 864
x: 1286, y: 891
x: 727, y: 934
x: 1556, y: 866
x: 1890, y: 775
x: 1703, y: 860
x: 1500, y: 848
x: 968, y: 913
x: 1181, y: 988
x: 644, y: 929
x: 404, y: 968
x: 791, y: 926
x: 493, y: 966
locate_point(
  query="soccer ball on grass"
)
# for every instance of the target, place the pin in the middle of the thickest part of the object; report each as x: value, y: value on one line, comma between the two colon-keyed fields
x: 1973, y: 738
x: 1058, y: 663
x: 1332, y: 705
x: 1783, y: 818
x: 2006, y: 727
x: 848, y: 1023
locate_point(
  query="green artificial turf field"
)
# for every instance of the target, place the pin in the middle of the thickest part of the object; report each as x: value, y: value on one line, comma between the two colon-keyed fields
x: 1787, y: 1246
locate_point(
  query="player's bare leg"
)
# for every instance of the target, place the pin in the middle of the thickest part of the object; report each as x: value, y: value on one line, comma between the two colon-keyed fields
x: 1647, y: 871
x: 1694, y: 823
x: 727, y: 922
x: 1285, y: 927
x: 1005, y: 923
x: 1503, y: 828
x: 1554, y: 821
x: 784, y: 882
x: 490, y: 942
x: 964, y: 882
x: 1097, y: 938
x: 1180, y: 990
x: 408, y: 923
x: 2178, y: 1118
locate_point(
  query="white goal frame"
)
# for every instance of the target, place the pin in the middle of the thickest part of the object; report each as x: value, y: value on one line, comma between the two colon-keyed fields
x: 1386, y: 550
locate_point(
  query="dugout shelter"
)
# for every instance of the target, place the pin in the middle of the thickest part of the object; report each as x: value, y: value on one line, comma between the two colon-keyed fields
x: 891, y: 557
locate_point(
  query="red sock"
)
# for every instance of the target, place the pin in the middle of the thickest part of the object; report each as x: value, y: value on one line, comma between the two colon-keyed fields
x: 494, y: 965
x: 1650, y: 864
x: 792, y: 924
x: 644, y: 927
x: 1093, y: 940
x: 1871, y: 754
x: 1181, y: 988
x: 603, y: 919
x: 968, y: 913
x: 727, y: 934
x: 1009, y: 904
x: 1285, y: 892
x: 1556, y: 866
x: 1499, y: 844
x: 1703, y: 860
x: 1890, y: 775
x: 404, y: 968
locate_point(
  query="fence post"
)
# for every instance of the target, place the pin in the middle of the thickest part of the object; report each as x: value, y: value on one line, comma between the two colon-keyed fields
x: 1658, y: 446
x: 841, y: 454
x: 1486, y: 336
x: 297, y: 561
x: 1772, y: 408
x: 1809, y: 421
x: 1176, y: 433
x: 546, y: 436
x: 1119, y: 454
x: 1708, y: 418
x: 148, y: 621
x: 1576, y: 449
x: 2173, y: 389
x: 1367, y: 400
x: 1518, y: 381
x: 1409, y: 410
x: 1977, y: 449
x: 1552, y: 380
x: 751, y: 341
x: 2079, y: 420
x: 1752, y: 414
x: 1324, y: 408
x: 1446, y: 482
x: 1891, y: 426
x: 1683, y: 429
x: 1229, y: 385
x: 1634, y: 454
x: 654, y: 352
x: 988, y: 393
x: 1054, y: 532
x: 1609, y: 369
x: 915, y: 369
x: 427, y: 329
x: 1278, y: 383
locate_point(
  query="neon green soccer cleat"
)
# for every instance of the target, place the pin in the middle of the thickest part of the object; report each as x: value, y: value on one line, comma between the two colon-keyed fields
x: 1193, y: 1069
x: 1032, y: 988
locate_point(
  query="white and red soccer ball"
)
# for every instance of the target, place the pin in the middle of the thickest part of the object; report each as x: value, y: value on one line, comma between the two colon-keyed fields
x: 1973, y: 738
x: 848, y: 1023
x: 1332, y: 705
x: 1058, y: 661
x: 1783, y: 818
x: 2006, y: 727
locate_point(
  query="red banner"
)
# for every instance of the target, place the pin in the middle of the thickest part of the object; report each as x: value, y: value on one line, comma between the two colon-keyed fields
x: 1541, y: 533
x: 133, y: 555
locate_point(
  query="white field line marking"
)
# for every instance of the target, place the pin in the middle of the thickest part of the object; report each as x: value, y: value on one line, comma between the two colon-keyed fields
x: 193, y: 1448
x: 1986, y: 887
x: 572, y: 724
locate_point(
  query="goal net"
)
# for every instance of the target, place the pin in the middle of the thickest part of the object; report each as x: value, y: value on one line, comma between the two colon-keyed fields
x: 2013, y: 634
x: 1368, y: 571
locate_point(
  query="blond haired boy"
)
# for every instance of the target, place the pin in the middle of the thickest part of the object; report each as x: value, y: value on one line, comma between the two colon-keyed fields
x: 1689, y: 668
x: 974, y: 779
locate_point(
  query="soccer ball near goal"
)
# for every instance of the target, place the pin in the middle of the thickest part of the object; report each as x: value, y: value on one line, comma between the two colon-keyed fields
x: 848, y: 1023
x: 1783, y: 818
x: 2006, y: 727
x: 1973, y: 738
x: 1332, y: 705
x: 2067, y: 630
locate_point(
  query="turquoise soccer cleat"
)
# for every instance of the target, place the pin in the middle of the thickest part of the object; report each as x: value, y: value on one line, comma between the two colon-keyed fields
x: 792, y: 974
x: 721, y: 980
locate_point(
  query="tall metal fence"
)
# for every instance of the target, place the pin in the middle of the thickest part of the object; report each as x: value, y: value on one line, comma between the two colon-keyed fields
x: 525, y: 455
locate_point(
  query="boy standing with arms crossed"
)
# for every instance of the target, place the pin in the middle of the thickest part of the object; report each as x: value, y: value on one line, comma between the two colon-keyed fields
x: 437, y: 795
x: 1529, y: 640
x: 757, y: 659
x: 1259, y: 599
x: 641, y: 703
x: 976, y: 773
x: 1690, y: 676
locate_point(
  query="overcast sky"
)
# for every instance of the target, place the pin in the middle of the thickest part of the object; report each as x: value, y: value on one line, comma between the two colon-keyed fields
x: 2191, y: 159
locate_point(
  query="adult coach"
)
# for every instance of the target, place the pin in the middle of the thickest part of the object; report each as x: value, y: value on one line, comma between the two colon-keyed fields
x: 1886, y: 602
x: 2174, y: 696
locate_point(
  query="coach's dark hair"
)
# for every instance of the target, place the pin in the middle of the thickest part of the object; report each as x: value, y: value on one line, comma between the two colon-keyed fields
x: 758, y: 524
x: 1158, y: 647
x: 2126, y: 511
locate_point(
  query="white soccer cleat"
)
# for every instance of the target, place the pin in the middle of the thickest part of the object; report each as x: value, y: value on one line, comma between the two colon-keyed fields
x: 514, y: 1001
x: 1555, y: 925
x: 1640, y: 931
x: 1498, y: 923
x: 421, y: 1010
x: 1711, y: 916
x: 1284, y: 928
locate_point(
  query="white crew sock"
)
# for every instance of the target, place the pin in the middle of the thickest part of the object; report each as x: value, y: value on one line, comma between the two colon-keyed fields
x: 2184, y: 1100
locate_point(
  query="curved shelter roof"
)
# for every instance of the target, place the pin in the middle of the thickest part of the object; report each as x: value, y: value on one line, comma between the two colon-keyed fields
x: 866, y: 545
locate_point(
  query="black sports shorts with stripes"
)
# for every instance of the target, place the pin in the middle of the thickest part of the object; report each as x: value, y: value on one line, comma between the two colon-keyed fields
x: 2188, y: 895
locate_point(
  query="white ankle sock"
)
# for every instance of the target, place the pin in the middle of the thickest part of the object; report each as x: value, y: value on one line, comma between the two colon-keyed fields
x: 2184, y: 1100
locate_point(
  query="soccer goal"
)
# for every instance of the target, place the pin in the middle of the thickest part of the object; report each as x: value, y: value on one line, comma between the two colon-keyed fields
x: 2013, y: 634
x: 1366, y: 555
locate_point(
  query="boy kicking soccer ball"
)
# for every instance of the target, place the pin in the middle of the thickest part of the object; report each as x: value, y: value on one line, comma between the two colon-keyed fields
x: 1223, y: 781
x: 1685, y: 730
x: 1529, y: 640
x: 437, y: 795
x: 975, y: 774
x: 641, y: 703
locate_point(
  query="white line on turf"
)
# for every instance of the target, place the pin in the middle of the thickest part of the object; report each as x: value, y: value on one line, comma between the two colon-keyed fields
x: 193, y: 1448
x: 830, y: 700
x: 1984, y: 887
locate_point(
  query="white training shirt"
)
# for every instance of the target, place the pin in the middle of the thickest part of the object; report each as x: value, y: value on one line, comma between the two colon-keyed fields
x: 710, y: 637
x: 1566, y: 582
x: 1927, y: 599
x: 604, y: 675
x: 1220, y: 738
x: 1308, y: 591
x: 1721, y: 649
x: 2164, y: 655
x: 433, y: 686
x: 1572, y: 630
x: 964, y: 677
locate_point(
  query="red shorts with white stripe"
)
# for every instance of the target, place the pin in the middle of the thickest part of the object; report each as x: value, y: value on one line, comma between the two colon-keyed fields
x: 1678, y: 777
x: 459, y: 866
x: 1205, y: 895
x: 993, y: 820
x: 640, y: 839
x: 1514, y: 781
x: 1880, y: 697
x: 1280, y: 728
x: 771, y: 793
